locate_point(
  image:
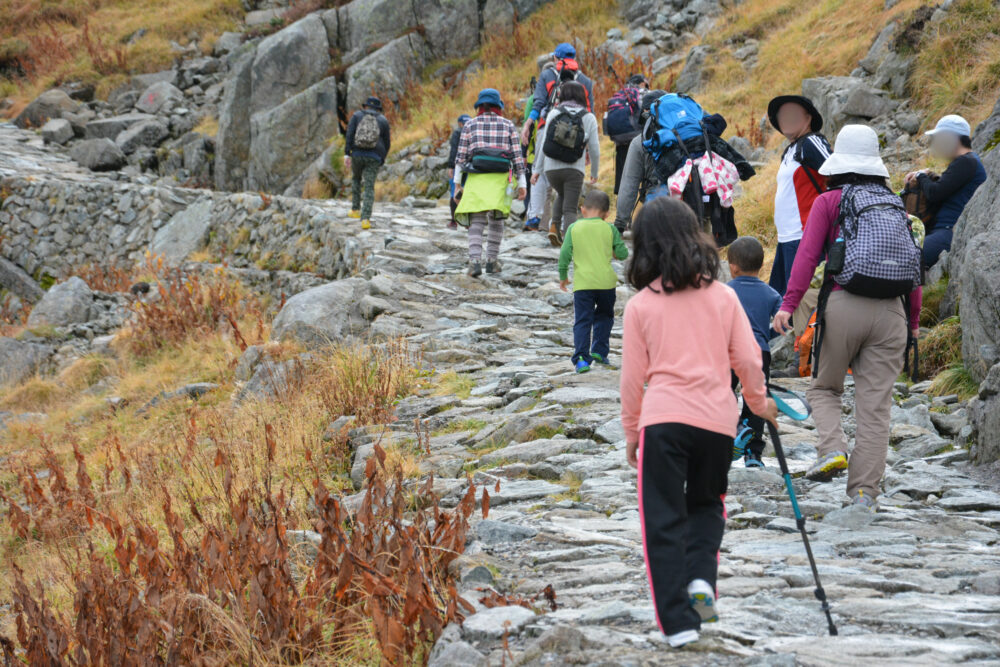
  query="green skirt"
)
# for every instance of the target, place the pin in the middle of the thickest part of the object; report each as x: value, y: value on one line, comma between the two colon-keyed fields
x: 483, y: 192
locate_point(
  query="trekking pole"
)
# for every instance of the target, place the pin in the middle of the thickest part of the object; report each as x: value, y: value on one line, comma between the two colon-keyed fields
x: 800, y: 520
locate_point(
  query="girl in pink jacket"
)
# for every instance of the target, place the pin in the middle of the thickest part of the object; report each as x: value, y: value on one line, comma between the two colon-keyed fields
x: 684, y: 331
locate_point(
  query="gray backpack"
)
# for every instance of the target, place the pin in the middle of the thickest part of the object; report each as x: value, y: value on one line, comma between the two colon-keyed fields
x: 368, y: 132
x: 880, y: 258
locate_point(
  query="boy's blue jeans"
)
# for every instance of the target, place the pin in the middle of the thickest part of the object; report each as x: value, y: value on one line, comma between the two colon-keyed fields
x: 595, y: 315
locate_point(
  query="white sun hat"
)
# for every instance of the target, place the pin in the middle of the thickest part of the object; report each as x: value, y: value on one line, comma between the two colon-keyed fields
x: 856, y: 151
x: 952, y: 123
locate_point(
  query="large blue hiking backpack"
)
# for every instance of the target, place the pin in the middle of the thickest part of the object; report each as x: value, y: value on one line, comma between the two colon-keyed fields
x: 672, y: 116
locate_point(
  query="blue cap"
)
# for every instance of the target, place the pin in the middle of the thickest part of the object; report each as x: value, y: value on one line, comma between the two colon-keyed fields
x: 463, y: 119
x: 489, y: 96
x: 952, y: 123
x: 565, y: 50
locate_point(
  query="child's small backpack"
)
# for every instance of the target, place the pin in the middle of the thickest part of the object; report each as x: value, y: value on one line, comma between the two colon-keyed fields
x: 565, y: 136
x: 881, y: 257
x: 368, y: 132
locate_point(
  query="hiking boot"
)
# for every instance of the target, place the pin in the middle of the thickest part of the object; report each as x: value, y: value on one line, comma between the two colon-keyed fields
x: 743, y: 438
x: 532, y: 224
x: 599, y: 358
x: 354, y: 213
x: 868, y: 502
x: 582, y: 366
x: 827, y: 467
x: 366, y: 224
x: 752, y: 460
x: 682, y: 638
x: 493, y: 266
x: 555, y: 236
x: 475, y: 269
x: 701, y: 597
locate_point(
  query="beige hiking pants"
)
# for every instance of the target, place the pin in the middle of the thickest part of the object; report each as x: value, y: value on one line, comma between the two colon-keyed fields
x: 869, y: 337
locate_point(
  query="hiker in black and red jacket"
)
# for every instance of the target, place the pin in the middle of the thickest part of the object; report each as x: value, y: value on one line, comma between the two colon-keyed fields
x: 799, y: 180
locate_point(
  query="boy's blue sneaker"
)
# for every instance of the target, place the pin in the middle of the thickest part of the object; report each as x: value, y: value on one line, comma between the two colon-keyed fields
x: 743, y: 437
x: 599, y: 359
x: 582, y: 366
x: 751, y: 460
x: 532, y: 225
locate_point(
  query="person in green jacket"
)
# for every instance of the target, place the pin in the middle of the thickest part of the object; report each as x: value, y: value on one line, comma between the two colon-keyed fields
x: 591, y: 243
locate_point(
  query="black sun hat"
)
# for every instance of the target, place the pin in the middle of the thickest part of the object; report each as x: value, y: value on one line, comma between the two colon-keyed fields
x: 774, y: 105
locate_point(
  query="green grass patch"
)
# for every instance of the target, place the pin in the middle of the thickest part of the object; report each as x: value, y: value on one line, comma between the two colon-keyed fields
x: 941, y: 349
x: 455, y: 384
x: 930, y: 310
x: 457, y: 426
x: 957, y: 380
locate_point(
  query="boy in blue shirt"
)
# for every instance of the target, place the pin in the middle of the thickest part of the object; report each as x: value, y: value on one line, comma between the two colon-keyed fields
x: 761, y: 303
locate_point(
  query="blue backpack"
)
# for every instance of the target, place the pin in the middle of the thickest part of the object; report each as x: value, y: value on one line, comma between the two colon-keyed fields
x: 670, y: 117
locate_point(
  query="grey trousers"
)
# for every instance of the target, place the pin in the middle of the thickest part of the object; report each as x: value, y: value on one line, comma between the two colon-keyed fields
x: 869, y: 337
x: 568, y: 184
x: 492, y: 224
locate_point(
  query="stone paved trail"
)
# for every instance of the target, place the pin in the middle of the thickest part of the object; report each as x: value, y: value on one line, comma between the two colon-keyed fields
x: 918, y: 584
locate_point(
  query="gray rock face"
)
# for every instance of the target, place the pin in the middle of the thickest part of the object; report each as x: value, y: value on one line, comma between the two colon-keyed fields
x: 502, y: 532
x: 495, y: 622
x: 50, y: 104
x: 288, y: 62
x: 457, y: 654
x: 984, y: 415
x: 322, y: 315
x: 57, y: 131
x: 843, y: 100
x: 987, y: 133
x: 232, y: 152
x: 159, y: 97
x: 20, y: 360
x: 186, y: 232
x: 147, y: 133
x: 14, y: 279
x: 98, y: 154
x: 690, y: 78
x: 974, y: 260
x: 286, y: 139
x: 65, y: 303
x: 388, y: 70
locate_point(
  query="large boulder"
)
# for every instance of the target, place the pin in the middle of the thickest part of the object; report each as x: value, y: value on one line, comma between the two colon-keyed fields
x: 159, y: 97
x: 147, y: 133
x: 98, y: 154
x: 57, y: 131
x: 20, y: 360
x: 15, y: 280
x: 984, y: 414
x: 691, y: 77
x: 288, y: 62
x: 50, y: 104
x: 110, y: 128
x: 446, y: 22
x: 843, y: 99
x: 186, y: 232
x: 287, y: 138
x: 66, y: 303
x: 232, y: 143
x: 388, y: 70
x: 364, y: 23
x: 987, y: 134
x: 322, y: 315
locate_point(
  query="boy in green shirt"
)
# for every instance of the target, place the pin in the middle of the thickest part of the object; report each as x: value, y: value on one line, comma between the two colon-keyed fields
x: 591, y: 243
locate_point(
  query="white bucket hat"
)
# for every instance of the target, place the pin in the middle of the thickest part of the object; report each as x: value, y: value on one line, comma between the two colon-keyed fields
x: 856, y: 151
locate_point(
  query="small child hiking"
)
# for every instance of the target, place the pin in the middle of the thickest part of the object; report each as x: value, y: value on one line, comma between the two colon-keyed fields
x: 591, y: 244
x: 761, y: 303
x: 684, y: 331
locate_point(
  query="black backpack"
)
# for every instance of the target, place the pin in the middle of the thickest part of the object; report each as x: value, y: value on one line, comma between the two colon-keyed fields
x: 565, y: 136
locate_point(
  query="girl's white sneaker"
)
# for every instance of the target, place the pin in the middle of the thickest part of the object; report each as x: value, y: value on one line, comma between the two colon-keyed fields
x: 682, y: 638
